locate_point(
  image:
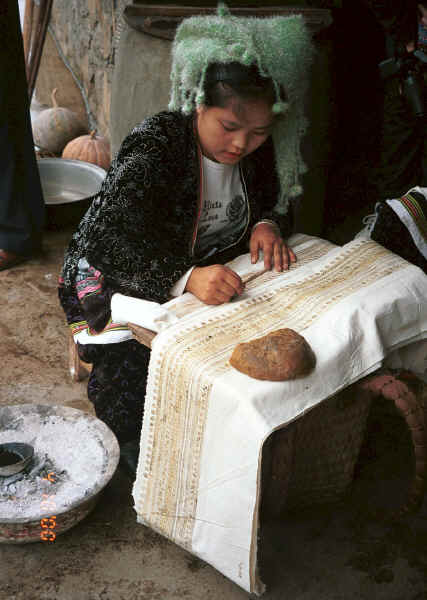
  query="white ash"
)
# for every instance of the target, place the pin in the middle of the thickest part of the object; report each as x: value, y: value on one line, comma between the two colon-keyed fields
x: 72, y: 451
x: 34, y: 479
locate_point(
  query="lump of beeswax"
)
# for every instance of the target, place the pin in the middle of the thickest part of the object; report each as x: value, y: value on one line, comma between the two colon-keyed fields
x: 278, y: 356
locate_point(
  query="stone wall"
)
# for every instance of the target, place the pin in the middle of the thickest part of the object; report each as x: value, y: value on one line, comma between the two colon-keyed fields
x: 85, y: 33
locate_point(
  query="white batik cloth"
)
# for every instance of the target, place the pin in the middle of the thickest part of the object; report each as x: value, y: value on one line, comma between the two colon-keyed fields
x: 198, y: 478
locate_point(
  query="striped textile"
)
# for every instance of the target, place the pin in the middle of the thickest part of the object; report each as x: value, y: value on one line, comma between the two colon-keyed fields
x: 412, y: 211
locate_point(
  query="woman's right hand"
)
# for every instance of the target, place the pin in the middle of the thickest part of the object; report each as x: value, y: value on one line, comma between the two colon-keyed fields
x: 215, y: 284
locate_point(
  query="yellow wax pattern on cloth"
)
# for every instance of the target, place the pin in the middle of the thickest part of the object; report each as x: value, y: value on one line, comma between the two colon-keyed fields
x: 347, y: 302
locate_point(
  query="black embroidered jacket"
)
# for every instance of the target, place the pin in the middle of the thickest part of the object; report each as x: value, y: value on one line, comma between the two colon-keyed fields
x: 139, y: 231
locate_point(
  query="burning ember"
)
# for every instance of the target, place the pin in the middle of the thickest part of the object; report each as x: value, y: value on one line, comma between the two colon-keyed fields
x: 33, y: 479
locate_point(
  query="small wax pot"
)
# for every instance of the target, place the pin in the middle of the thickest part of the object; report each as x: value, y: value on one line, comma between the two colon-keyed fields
x: 14, y: 457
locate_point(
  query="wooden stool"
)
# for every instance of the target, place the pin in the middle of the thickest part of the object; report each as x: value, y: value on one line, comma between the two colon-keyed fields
x: 79, y: 370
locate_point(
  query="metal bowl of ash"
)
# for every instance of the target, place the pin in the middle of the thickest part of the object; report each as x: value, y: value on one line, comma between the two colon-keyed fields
x: 68, y: 187
x: 14, y: 457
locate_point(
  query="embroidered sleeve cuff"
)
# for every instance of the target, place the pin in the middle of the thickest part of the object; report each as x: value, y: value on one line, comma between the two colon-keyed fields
x: 179, y: 288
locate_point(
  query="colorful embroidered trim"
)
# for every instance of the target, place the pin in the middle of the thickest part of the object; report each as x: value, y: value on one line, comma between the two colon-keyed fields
x: 416, y: 213
x: 82, y: 325
x: 91, y: 284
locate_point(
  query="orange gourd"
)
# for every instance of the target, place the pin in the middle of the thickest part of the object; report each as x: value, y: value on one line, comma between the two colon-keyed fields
x: 90, y: 148
x: 55, y: 127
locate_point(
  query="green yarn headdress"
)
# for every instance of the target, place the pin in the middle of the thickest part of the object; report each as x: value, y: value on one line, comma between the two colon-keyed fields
x: 282, y: 49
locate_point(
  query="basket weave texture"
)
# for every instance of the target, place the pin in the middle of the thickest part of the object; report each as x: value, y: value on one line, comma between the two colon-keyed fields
x: 312, y: 460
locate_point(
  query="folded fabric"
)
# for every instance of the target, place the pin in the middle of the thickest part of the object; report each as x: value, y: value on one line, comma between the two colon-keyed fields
x: 150, y: 315
x: 412, y: 211
x: 400, y: 225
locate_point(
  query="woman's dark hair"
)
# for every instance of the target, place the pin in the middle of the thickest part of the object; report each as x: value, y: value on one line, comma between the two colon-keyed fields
x: 233, y: 81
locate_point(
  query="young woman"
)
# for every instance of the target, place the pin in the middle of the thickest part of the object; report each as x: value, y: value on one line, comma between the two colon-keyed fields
x: 189, y: 190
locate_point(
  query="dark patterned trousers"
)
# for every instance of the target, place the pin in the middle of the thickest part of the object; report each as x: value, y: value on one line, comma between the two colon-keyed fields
x: 117, y: 385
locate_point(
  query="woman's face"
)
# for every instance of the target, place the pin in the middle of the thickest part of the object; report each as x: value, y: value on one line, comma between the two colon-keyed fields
x: 228, y: 134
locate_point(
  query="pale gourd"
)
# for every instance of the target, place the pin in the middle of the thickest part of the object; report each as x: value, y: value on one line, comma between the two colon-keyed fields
x: 91, y: 148
x: 55, y: 127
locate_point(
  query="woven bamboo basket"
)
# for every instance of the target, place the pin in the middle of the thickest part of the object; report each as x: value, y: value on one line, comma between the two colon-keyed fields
x: 312, y: 460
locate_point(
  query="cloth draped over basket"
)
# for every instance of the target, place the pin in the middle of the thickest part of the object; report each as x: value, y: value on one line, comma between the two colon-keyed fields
x: 199, y: 474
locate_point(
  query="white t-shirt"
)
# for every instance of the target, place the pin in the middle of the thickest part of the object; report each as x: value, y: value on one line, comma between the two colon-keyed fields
x: 223, y: 213
x: 224, y: 209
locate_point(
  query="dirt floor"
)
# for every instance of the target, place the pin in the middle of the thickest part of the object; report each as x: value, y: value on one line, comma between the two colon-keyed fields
x: 344, y: 551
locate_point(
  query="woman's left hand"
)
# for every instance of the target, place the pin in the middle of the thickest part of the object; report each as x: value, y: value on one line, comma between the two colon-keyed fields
x: 267, y: 238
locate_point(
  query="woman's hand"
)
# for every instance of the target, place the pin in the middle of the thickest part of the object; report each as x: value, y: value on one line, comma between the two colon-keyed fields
x: 215, y: 284
x: 267, y: 238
